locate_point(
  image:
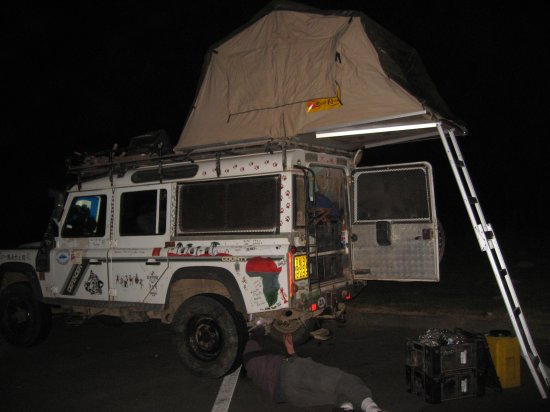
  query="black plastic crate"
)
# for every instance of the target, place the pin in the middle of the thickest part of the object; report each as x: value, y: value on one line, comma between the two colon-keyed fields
x: 435, y: 360
x: 452, y: 385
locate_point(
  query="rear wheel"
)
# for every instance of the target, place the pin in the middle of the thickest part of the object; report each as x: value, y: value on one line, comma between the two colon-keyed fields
x: 210, y: 335
x: 24, y: 320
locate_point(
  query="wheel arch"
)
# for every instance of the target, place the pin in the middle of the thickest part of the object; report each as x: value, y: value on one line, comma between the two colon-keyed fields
x: 13, y: 272
x: 215, y: 274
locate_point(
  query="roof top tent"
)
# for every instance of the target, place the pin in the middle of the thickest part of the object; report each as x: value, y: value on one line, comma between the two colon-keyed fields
x: 338, y: 80
x: 295, y: 73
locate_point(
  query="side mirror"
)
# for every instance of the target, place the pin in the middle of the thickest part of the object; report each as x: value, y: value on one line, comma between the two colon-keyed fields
x: 59, y: 204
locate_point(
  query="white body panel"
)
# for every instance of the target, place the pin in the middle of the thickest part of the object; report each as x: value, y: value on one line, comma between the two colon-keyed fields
x: 139, y: 246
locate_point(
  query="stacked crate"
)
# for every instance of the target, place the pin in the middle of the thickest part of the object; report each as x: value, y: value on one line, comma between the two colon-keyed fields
x: 443, y: 369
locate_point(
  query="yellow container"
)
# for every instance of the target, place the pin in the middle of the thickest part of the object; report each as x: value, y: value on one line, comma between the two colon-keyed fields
x: 506, y: 357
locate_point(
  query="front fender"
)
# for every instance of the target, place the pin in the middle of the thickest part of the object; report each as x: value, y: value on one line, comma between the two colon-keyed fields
x: 12, y: 272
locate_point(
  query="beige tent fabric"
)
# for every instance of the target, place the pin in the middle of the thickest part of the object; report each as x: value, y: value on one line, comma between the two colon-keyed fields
x: 270, y: 63
x: 258, y: 82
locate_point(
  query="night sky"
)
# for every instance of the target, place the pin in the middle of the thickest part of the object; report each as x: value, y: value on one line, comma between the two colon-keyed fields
x: 82, y: 77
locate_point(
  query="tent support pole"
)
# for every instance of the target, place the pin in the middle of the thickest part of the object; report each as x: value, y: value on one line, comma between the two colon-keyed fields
x: 489, y: 244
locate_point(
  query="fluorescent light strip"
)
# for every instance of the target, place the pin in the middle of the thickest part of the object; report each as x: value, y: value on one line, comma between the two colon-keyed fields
x: 322, y: 135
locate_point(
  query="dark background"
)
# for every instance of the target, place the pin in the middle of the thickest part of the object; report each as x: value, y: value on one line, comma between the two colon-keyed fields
x: 83, y: 76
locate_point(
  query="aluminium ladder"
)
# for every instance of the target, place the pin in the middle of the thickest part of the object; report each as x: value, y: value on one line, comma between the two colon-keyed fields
x: 488, y: 244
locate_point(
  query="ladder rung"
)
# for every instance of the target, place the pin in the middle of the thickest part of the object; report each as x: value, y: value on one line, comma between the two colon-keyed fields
x: 503, y: 272
x: 517, y: 311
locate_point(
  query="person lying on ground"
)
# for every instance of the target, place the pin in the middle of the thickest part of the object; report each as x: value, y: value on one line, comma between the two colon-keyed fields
x: 303, y: 382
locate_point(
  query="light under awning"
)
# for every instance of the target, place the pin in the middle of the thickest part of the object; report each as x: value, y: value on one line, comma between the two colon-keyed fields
x: 374, y: 129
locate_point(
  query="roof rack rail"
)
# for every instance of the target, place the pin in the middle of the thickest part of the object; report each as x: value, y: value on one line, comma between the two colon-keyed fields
x: 263, y: 145
x: 154, y: 149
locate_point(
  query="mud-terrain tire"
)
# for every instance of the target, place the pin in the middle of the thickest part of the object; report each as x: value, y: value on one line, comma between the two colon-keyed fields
x: 300, y: 330
x: 210, y: 335
x: 24, y: 320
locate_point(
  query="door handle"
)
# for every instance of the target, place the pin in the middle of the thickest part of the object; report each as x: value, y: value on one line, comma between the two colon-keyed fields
x: 427, y: 234
x: 94, y: 262
x: 152, y: 262
x: 383, y: 233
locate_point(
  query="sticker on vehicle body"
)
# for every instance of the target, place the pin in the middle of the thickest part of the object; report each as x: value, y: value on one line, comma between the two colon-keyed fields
x: 127, y: 281
x: 189, y: 249
x: 268, y: 271
x: 75, y: 277
x: 76, y: 257
x: 63, y: 257
x: 93, y: 285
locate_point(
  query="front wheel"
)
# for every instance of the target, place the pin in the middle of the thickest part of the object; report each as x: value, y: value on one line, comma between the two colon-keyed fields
x: 210, y: 335
x: 24, y: 320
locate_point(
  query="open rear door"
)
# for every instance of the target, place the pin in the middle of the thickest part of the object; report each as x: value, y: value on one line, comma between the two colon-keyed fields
x: 394, y: 224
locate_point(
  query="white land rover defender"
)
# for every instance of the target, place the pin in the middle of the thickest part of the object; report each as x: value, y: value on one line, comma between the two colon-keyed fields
x: 260, y: 210
x: 212, y: 242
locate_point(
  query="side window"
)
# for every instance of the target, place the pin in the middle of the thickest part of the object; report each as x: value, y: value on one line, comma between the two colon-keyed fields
x: 86, y: 217
x: 143, y: 213
x: 330, y: 191
x: 233, y: 205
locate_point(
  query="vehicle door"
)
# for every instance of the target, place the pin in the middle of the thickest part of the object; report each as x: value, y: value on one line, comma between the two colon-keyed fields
x: 141, y: 230
x: 79, y: 261
x: 394, y: 223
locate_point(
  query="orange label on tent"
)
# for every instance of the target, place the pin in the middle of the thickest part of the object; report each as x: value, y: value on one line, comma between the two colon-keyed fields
x: 322, y: 104
x: 325, y: 103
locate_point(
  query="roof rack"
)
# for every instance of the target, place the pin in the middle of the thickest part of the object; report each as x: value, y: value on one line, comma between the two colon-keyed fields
x: 150, y: 148
x: 154, y: 149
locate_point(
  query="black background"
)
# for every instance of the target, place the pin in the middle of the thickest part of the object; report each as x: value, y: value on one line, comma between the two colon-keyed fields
x: 82, y: 76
